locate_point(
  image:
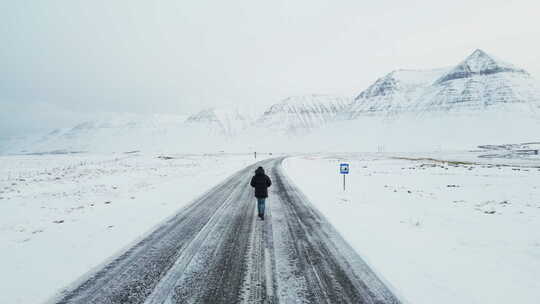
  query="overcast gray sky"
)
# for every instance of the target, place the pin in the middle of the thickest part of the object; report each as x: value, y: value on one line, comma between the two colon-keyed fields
x: 62, y: 60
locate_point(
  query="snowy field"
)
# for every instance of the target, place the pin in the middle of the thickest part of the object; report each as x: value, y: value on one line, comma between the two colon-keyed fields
x: 437, y: 232
x: 466, y: 231
x: 61, y: 215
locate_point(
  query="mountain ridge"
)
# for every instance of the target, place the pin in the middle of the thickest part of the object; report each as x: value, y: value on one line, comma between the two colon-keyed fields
x: 477, y: 86
x: 479, y: 63
x: 477, y: 83
x: 297, y: 114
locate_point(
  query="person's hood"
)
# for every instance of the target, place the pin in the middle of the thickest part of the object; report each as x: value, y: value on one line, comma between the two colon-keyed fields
x: 259, y: 171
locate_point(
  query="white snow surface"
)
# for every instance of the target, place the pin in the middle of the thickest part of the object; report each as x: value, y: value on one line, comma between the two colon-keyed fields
x: 499, y: 124
x: 63, y: 215
x: 437, y: 232
x: 414, y: 133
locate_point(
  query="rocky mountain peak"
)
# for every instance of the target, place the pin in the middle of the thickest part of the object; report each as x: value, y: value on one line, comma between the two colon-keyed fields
x: 479, y: 63
x: 399, y: 80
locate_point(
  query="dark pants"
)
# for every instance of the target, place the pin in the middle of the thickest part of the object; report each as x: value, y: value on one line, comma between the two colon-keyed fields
x: 260, y: 205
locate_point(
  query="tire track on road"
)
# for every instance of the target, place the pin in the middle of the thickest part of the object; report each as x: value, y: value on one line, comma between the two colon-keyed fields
x: 132, y: 276
x: 217, y: 251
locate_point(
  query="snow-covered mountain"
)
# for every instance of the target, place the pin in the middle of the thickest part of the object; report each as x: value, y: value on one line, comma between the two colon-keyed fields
x: 121, y: 133
x: 481, y: 82
x: 404, y: 110
x: 221, y: 121
x: 300, y: 114
x: 207, y: 130
x: 394, y: 93
x: 477, y: 83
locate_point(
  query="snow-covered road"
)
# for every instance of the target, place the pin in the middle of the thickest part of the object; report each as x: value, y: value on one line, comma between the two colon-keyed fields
x: 216, y: 251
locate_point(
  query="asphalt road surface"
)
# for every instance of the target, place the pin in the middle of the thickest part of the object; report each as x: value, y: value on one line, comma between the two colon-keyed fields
x: 216, y: 250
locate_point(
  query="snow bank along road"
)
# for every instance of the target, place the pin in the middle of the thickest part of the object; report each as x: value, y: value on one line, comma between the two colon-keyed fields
x: 217, y: 251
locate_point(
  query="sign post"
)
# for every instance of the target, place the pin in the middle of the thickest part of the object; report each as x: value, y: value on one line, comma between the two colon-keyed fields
x: 344, y: 170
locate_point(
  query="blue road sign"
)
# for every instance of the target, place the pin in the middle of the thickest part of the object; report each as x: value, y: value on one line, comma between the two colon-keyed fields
x: 344, y: 168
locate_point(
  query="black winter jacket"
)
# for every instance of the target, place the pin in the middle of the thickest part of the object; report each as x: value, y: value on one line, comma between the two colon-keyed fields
x: 260, y: 182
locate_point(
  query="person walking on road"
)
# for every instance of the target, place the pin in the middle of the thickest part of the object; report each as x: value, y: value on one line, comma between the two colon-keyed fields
x: 260, y: 181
